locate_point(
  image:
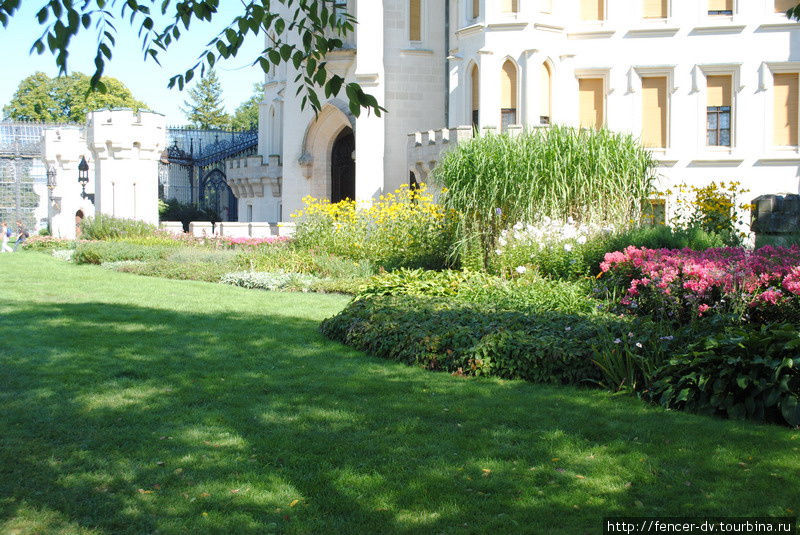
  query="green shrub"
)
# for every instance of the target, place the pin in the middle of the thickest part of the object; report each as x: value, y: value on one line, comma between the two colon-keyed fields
x: 495, y: 181
x: 104, y: 227
x: 478, y: 339
x: 289, y: 258
x: 114, y: 251
x: 405, y: 228
x: 742, y: 372
x: 46, y: 243
x: 169, y: 269
x: 580, y: 255
x: 520, y: 293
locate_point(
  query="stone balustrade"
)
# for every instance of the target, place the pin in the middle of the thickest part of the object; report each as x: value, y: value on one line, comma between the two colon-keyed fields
x: 231, y: 229
x: 426, y: 148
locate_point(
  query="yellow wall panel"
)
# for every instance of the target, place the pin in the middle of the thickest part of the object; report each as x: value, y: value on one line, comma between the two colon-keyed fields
x: 785, y: 117
x: 591, y: 102
x: 719, y: 90
x: 415, y: 20
x: 654, y: 111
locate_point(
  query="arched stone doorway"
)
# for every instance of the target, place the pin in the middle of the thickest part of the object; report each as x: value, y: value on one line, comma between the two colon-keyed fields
x: 343, y: 167
x: 329, y: 136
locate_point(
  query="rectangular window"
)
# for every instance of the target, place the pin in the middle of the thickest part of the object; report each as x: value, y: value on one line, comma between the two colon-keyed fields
x: 655, y: 9
x: 591, y: 102
x: 785, y: 116
x: 415, y: 20
x: 593, y: 10
x: 782, y: 6
x: 476, y: 9
x: 654, y: 111
x: 510, y: 6
x: 720, y: 7
x: 249, y: 213
x: 654, y: 212
x: 719, y: 101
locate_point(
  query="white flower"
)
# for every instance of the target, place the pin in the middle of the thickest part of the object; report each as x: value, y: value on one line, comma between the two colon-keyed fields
x: 581, y: 239
x: 502, y: 242
x: 568, y: 247
x: 519, y: 226
x: 521, y: 269
x: 498, y: 251
x: 617, y: 341
x: 638, y: 344
x: 567, y: 328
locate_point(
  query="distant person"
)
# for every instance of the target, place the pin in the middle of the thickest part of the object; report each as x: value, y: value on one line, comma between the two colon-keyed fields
x: 22, y: 235
x: 6, y: 235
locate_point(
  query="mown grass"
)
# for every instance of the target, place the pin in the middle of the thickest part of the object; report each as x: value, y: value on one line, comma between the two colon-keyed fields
x: 138, y: 405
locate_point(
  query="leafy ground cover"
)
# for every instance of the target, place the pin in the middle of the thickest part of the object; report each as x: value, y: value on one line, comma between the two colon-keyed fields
x: 142, y: 405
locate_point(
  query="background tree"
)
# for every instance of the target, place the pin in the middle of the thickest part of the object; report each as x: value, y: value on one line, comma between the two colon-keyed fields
x: 66, y: 98
x: 204, y: 109
x: 246, y: 115
x: 304, y: 37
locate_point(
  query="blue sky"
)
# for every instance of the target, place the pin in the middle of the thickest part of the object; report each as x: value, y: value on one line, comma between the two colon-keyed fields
x: 146, y: 79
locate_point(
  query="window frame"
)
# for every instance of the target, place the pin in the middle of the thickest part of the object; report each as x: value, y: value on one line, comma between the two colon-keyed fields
x: 518, y: 90
x: 700, y: 85
x: 656, y: 71
x: 605, y: 74
x: 656, y: 19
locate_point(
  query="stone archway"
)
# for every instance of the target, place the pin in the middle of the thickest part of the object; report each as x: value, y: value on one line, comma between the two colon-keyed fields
x: 318, y: 145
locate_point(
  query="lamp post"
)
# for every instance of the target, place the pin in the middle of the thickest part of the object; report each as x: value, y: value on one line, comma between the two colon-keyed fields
x: 83, y: 179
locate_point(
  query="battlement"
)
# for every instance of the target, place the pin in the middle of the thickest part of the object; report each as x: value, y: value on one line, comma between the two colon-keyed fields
x: 143, y: 133
x: 252, y: 176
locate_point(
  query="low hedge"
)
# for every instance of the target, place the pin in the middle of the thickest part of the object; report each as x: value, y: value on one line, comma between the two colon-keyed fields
x: 116, y: 251
x: 526, y: 293
x: 479, y: 339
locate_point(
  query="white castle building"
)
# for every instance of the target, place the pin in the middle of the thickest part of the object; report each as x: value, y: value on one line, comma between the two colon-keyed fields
x: 710, y: 86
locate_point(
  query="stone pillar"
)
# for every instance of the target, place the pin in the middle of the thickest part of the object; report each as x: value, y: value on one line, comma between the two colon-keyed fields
x: 126, y: 147
x: 370, y: 130
x: 489, y: 92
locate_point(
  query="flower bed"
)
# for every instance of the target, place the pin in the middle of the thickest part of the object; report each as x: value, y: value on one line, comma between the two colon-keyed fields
x: 683, y: 284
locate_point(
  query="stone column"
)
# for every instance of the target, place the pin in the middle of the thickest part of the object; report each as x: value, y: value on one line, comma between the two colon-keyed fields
x: 370, y: 130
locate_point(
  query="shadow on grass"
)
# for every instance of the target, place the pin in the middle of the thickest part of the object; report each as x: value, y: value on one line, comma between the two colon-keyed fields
x: 125, y: 419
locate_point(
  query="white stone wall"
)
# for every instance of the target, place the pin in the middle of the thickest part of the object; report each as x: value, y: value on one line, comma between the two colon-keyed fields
x: 63, y: 148
x: 688, y: 45
x: 126, y: 147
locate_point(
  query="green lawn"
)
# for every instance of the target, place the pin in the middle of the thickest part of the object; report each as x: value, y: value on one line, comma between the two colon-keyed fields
x: 136, y: 405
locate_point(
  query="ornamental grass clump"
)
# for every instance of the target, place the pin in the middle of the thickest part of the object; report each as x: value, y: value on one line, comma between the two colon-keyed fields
x: 495, y: 181
x: 405, y: 228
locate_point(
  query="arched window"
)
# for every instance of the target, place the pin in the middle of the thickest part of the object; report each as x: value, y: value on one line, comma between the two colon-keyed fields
x: 475, y: 95
x: 508, y: 95
x: 275, y: 130
x: 415, y: 20
x: 546, y: 92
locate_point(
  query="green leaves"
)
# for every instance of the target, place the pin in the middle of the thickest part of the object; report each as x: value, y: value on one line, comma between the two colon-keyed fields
x: 744, y: 372
x: 316, y: 28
